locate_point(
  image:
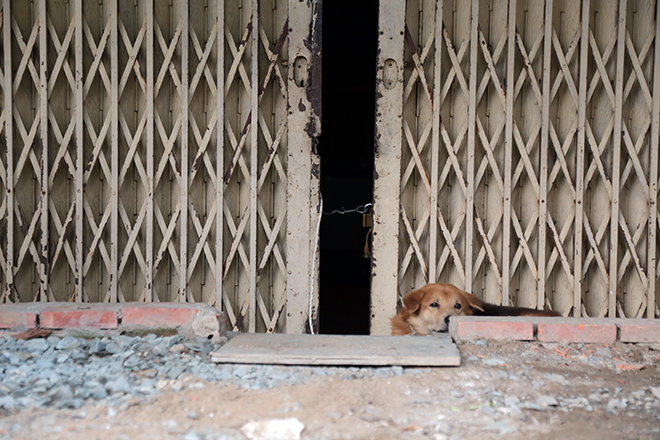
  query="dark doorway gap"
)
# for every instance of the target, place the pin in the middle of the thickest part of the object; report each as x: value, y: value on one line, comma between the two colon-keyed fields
x: 346, y: 146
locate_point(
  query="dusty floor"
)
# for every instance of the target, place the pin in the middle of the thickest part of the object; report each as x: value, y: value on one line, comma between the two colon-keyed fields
x: 502, y: 390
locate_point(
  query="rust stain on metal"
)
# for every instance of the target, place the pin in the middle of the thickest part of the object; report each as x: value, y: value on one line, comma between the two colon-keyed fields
x: 316, y: 171
x: 90, y: 163
x: 411, y: 46
x: 241, y: 316
x: 234, y: 160
x: 282, y: 39
x: 247, y: 37
x: 310, y: 128
x: 247, y: 125
x: 276, y: 51
x: 409, y: 42
x: 314, y: 45
x: 198, y: 161
x: 267, y: 159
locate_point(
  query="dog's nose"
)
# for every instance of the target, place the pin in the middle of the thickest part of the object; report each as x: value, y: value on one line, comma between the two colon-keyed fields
x: 447, y: 320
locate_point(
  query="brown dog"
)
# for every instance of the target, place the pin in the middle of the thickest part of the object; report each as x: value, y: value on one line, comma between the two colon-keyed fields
x: 429, y: 308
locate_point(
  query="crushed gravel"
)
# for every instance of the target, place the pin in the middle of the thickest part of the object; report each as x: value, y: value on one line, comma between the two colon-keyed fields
x: 168, y: 387
x: 66, y: 372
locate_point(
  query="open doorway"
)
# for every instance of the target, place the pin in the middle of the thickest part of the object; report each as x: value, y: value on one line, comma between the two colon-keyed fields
x: 346, y: 147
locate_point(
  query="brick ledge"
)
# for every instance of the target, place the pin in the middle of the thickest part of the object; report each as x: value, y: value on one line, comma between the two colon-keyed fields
x: 585, y: 330
x: 190, y: 319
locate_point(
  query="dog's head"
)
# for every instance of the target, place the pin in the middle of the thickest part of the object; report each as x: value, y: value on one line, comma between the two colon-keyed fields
x: 431, y: 306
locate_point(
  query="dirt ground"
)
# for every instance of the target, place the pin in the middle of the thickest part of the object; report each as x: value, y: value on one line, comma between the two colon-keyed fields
x: 502, y: 390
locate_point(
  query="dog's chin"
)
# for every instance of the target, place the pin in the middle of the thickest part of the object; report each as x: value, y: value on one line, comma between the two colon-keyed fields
x: 437, y: 332
x: 441, y: 328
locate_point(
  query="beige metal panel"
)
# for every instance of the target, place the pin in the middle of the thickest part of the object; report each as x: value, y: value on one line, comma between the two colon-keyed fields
x: 417, y: 147
x: 44, y: 250
x: 616, y: 159
x: 61, y: 87
x: 164, y: 129
x: 636, y: 152
x: 653, y: 178
x: 133, y: 177
x: 471, y: 141
x: 578, y: 246
x: 452, y: 187
x: 526, y: 140
x: 167, y: 121
x: 255, y: 265
x: 203, y: 121
x: 490, y: 120
x: 6, y: 209
x: 238, y: 31
x: 254, y: 164
x: 548, y: 140
x: 96, y: 175
x: 3, y: 167
x: 114, y: 294
x: 182, y: 13
x: 272, y: 177
x: 387, y: 169
x: 508, y: 154
x: 562, y: 149
x: 26, y: 163
x: 215, y: 298
x: 150, y: 138
x: 434, y: 224
x: 80, y: 146
x: 549, y: 157
x: 543, y: 154
x: 303, y: 207
x: 315, y: 236
x: 601, y: 103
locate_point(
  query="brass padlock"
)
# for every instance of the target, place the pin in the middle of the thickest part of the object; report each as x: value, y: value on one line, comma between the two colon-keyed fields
x: 367, y: 221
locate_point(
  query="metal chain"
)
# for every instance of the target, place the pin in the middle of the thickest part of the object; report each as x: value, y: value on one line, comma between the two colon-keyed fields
x: 362, y: 209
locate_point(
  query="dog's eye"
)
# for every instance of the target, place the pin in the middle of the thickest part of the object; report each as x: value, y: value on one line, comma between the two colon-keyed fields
x: 435, y: 305
x: 457, y: 306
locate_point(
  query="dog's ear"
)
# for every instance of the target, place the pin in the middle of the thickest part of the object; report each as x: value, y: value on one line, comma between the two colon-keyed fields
x: 473, y: 301
x: 413, y: 300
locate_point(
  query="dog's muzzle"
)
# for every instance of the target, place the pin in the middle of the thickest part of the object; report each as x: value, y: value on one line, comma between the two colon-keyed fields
x: 444, y: 325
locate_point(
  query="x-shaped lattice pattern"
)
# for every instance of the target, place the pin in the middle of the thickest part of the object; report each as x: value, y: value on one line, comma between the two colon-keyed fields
x: 269, y: 168
x: 417, y: 167
x: 27, y: 127
x: 119, y: 248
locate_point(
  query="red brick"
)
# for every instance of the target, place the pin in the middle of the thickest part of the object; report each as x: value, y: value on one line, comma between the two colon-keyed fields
x: 11, y: 316
x: 71, y: 317
x: 640, y: 330
x: 576, y: 330
x: 507, y: 328
x: 151, y: 315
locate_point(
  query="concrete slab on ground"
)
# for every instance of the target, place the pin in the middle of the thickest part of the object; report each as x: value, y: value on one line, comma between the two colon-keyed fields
x: 288, y: 349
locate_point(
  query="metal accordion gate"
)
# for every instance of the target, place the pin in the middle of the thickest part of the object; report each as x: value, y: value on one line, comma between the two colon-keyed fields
x: 161, y: 151
x: 517, y: 153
